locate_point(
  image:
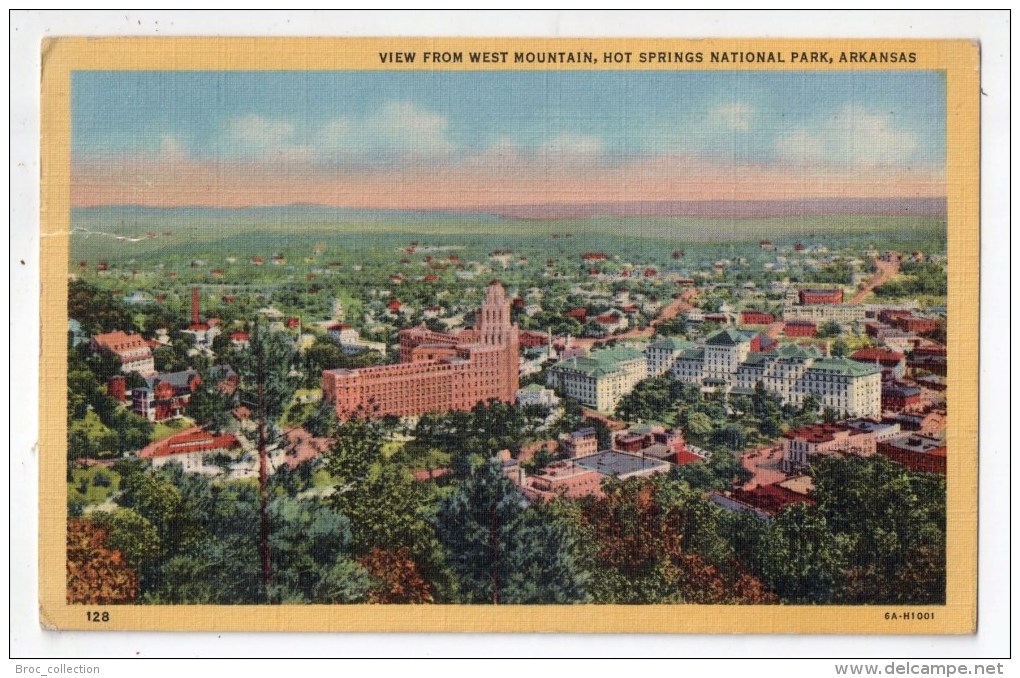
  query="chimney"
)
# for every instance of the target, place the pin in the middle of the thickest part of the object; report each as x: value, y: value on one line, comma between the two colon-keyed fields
x: 194, y: 306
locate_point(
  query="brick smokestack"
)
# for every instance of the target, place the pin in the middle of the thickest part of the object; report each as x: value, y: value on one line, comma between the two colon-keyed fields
x: 194, y: 306
x: 116, y: 387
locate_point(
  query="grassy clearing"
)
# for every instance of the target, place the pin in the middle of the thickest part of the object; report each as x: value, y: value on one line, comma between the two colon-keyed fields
x: 92, y: 486
x: 322, y: 478
x: 391, y: 447
x: 165, y: 429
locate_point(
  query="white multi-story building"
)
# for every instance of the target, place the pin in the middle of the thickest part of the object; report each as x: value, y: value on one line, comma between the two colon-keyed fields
x: 726, y: 363
x: 534, y: 394
x: 725, y: 351
x: 779, y: 371
x: 689, y: 366
x: 601, y: 379
x: 844, y: 385
x: 844, y: 314
x: 350, y: 341
x: 663, y: 352
x: 714, y: 364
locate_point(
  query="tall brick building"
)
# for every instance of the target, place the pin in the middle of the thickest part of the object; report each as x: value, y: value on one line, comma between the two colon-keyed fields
x: 437, y: 372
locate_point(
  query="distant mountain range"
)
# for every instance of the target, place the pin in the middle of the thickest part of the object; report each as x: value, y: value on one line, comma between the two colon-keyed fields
x: 729, y: 208
x: 709, y: 209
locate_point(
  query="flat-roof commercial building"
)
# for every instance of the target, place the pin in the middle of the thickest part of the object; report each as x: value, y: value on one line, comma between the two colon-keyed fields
x: 800, y: 445
x: 623, y: 466
x: 916, y: 452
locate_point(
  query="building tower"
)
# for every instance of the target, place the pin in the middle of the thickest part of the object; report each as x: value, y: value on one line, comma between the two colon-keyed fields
x: 494, y: 326
x: 495, y: 329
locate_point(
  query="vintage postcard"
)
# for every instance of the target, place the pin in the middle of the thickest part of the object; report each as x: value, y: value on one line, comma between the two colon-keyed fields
x: 518, y: 335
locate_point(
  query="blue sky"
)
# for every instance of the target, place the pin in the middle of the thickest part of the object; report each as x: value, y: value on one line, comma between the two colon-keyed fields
x: 735, y: 113
x: 363, y: 137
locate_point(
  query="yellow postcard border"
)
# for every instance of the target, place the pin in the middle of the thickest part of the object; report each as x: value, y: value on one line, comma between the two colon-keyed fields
x: 959, y: 59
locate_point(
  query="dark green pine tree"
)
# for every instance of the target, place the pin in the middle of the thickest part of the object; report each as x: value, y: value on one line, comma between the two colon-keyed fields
x: 504, y: 552
x: 380, y: 497
x: 210, y: 407
x: 268, y: 382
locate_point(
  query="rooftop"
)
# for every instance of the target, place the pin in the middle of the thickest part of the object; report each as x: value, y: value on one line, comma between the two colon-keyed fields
x: 771, y: 498
x: 619, y: 464
x: 879, y: 355
x: 900, y: 390
x: 727, y: 337
x: 120, y: 340
x: 559, y: 470
x: 820, y: 433
x: 658, y: 450
x: 845, y: 366
x: 176, y: 379
x: 600, y: 363
x: 730, y: 503
x: 803, y: 484
x: 795, y: 352
x: 918, y: 443
x: 868, y: 425
x: 189, y: 441
x: 671, y: 343
x: 685, y: 456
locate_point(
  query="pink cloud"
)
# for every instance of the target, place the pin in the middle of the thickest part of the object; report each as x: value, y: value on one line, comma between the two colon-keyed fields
x: 503, y: 175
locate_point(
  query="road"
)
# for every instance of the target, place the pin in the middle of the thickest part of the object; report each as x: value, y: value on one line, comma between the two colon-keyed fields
x: 775, y: 329
x: 764, y: 465
x: 681, y: 304
x: 886, y: 270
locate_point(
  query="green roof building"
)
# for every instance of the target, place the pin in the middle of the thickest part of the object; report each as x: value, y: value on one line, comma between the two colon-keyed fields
x: 601, y: 379
x: 663, y: 352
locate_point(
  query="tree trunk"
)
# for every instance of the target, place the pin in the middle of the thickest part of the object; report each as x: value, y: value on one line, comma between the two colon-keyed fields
x: 494, y: 550
x: 263, y: 478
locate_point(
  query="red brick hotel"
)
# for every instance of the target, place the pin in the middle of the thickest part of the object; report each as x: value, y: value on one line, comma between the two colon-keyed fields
x: 437, y: 372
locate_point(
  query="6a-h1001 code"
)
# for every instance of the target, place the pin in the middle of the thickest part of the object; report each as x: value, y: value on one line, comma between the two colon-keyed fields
x: 909, y: 616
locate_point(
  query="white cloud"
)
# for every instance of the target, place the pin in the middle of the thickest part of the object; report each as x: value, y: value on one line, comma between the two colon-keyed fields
x: 171, y: 148
x: 734, y: 116
x: 336, y: 131
x: 398, y: 127
x: 260, y: 132
x: 852, y: 136
x: 802, y: 145
x: 871, y: 137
